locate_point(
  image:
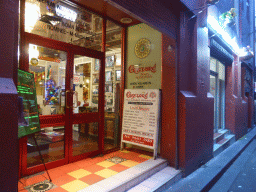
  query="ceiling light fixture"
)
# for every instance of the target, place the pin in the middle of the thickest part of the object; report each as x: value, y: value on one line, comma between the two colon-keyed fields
x: 52, y: 20
x: 126, y: 20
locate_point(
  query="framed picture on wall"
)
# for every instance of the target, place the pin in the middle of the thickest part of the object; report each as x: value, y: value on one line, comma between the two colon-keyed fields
x: 108, y: 75
x: 97, y: 65
x: 98, y: 24
x: 118, y: 75
x: 95, y: 78
x: 110, y: 60
x: 118, y: 59
x: 109, y: 88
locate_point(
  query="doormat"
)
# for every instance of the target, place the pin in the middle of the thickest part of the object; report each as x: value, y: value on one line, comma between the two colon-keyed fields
x: 41, y: 186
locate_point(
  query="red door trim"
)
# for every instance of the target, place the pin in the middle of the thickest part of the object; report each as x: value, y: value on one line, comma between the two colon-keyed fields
x: 102, y: 90
x: 85, y: 118
x: 122, y: 88
x: 62, y: 46
x: 40, y: 168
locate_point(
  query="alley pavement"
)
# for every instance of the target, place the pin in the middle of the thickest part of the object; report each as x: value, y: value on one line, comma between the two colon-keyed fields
x: 241, y: 176
x: 222, y: 173
x: 246, y: 180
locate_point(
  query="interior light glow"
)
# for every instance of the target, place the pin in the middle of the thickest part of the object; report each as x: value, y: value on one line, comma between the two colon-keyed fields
x: 32, y: 14
x: 205, y: 29
x: 218, y: 29
x: 66, y: 13
x: 33, y: 52
x: 243, y: 52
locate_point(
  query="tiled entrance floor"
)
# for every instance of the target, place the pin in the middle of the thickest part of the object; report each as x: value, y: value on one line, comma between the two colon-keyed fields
x: 81, y: 174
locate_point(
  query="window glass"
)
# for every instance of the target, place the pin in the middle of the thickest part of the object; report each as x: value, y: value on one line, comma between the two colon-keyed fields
x: 51, y: 144
x: 221, y: 71
x: 213, y: 65
x: 49, y: 69
x: 85, y: 84
x: 85, y: 138
x: 112, y: 85
x: 63, y: 22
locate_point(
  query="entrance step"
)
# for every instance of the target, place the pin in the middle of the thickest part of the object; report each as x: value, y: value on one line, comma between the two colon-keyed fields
x: 129, y: 178
x: 160, y: 181
x: 223, y: 144
x: 220, y: 135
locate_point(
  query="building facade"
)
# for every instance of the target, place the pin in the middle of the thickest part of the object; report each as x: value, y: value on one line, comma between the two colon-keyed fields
x: 84, y: 55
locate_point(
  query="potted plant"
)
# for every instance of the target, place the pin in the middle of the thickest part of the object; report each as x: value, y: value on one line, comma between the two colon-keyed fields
x: 229, y: 17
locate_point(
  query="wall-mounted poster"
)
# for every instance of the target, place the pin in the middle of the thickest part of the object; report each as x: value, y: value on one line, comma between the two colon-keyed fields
x: 144, y: 63
x: 108, y: 88
x: 118, y: 75
x: 108, y: 75
x: 95, y: 78
x: 98, y: 24
x: 97, y: 65
x: 110, y: 60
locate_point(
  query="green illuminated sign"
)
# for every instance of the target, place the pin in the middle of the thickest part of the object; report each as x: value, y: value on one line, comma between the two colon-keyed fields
x: 26, y: 89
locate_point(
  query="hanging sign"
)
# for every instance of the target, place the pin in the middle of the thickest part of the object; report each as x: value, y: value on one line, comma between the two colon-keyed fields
x: 26, y: 89
x: 141, y: 117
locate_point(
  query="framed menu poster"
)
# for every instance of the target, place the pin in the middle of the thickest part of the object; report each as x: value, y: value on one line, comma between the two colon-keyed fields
x: 27, y: 91
x: 141, y: 117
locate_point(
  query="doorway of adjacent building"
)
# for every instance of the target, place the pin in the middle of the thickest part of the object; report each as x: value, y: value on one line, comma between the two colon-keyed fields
x: 217, y: 89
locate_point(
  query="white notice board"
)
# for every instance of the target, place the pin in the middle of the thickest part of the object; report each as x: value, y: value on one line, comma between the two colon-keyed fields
x: 141, y: 116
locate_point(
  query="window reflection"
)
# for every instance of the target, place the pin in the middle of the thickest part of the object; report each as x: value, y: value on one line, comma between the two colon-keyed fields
x: 49, y: 69
x: 63, y: 22
x: 85, y: 84
x: 51, y: 144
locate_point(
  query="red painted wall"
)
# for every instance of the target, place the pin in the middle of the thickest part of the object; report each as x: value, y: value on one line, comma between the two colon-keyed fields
x: 195, y: 103
x: 8, y: 95
x: 169, y: 101
x: 236, y: 104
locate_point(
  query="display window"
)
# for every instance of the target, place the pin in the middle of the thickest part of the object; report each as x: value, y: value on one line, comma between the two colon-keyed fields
x: 112, y: 86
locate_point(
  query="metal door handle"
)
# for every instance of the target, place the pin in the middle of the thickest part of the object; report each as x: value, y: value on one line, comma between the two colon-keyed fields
x: 68, y: 91
x: 76, y: 94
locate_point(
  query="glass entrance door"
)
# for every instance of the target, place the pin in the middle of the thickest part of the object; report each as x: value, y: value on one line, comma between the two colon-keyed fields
x: 85, y: 109
x: 49, y: 69
x: 68, y: 89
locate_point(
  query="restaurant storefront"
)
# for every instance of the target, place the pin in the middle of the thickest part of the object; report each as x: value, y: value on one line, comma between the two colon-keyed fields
x: 82, y: 62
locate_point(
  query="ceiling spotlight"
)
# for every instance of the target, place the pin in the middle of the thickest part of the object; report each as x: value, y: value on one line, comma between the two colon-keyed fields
x: 126, y: 20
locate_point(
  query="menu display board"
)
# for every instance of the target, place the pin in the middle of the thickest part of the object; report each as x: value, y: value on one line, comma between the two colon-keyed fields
x: 26, y: 89
x: 141, y: 117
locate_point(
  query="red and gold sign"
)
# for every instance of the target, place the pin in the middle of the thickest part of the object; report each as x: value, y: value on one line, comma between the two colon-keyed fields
x: 142, y: 48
